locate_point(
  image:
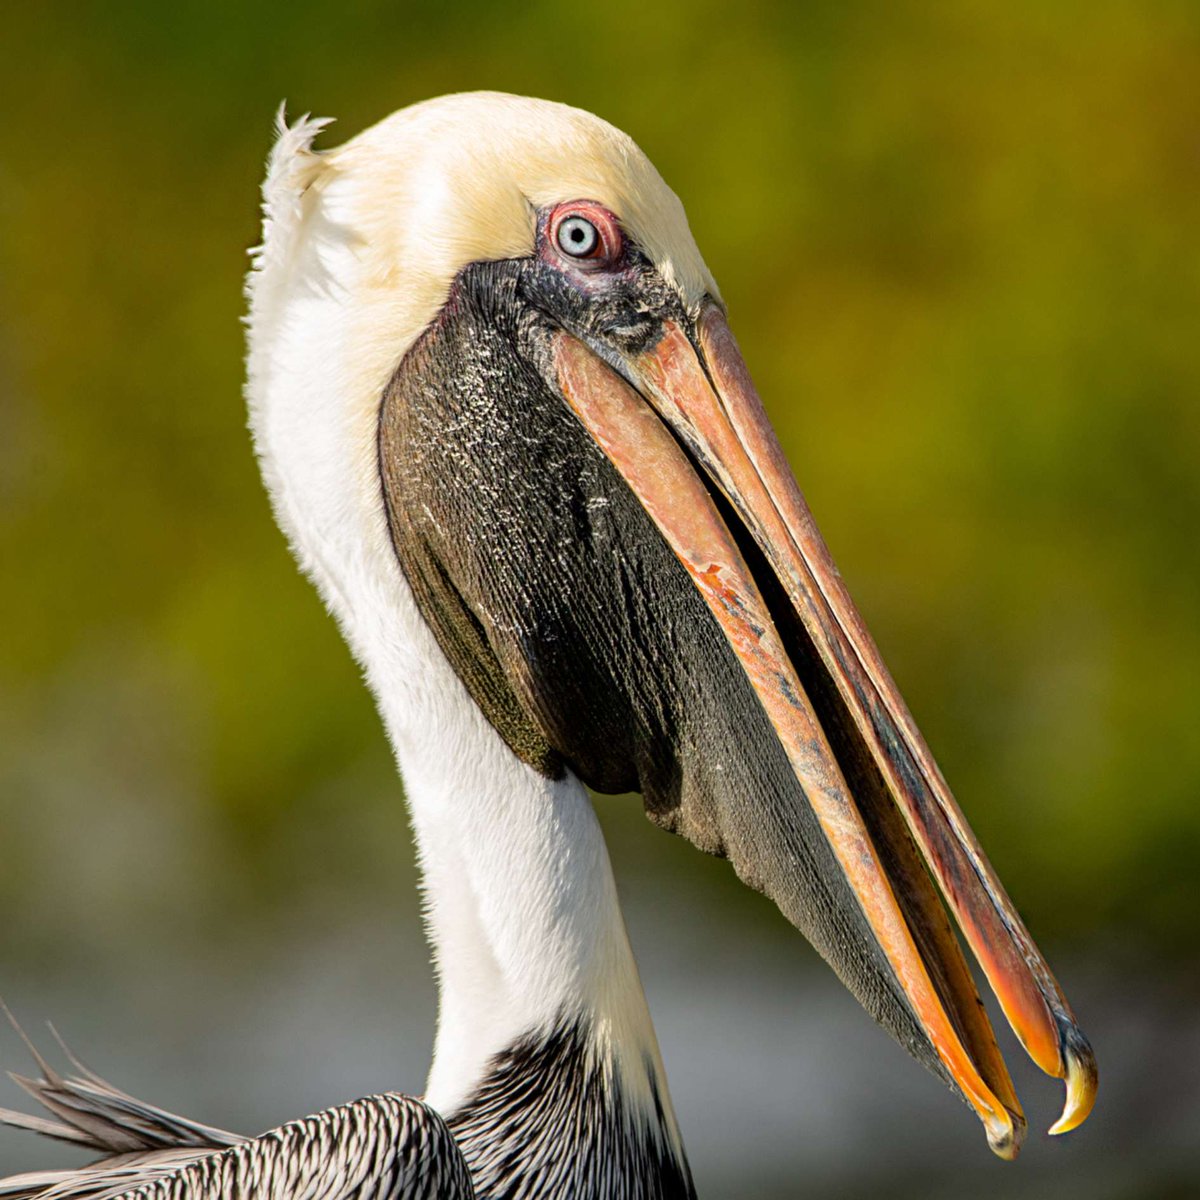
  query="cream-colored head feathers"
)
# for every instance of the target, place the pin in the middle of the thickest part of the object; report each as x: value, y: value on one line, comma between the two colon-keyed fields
x: 457, y: 180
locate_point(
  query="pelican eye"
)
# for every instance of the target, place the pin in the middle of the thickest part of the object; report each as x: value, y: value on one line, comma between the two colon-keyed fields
x: 578, y: 237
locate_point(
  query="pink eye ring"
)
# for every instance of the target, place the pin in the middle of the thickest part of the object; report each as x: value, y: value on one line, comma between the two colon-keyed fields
x: 585, y: 233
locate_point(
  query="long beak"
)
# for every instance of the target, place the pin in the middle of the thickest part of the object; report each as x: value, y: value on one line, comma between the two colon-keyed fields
x: 751, y: 547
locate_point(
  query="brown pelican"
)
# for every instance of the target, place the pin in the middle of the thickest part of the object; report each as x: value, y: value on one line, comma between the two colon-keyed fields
x: 507, y: 429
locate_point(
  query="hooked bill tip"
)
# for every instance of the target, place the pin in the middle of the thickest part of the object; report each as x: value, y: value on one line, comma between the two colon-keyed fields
x: 1082, y: 1080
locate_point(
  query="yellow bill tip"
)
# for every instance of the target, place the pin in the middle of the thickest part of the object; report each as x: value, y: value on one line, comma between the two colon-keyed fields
x: 1082, y: 1081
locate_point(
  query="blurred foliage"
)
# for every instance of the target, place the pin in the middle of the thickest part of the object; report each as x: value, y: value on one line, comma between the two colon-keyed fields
x: 959, y: 246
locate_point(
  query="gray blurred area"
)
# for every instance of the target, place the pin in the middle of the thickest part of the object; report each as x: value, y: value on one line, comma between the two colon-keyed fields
x: 958, y: 244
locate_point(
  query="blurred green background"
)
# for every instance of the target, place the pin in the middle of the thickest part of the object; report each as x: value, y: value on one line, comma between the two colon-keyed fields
x: 959, y: 246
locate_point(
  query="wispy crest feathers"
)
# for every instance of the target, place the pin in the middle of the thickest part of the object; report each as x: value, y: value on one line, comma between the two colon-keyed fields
x: 291, y: 168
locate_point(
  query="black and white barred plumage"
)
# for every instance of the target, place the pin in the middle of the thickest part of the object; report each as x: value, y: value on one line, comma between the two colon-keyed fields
x: 550, y: 1119
x: 386, y: 1147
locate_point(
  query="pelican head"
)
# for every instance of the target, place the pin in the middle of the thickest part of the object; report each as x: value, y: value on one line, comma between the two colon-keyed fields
x: 509, y: 432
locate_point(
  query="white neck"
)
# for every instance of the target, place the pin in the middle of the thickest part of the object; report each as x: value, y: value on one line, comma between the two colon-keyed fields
x: 521, y: 905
